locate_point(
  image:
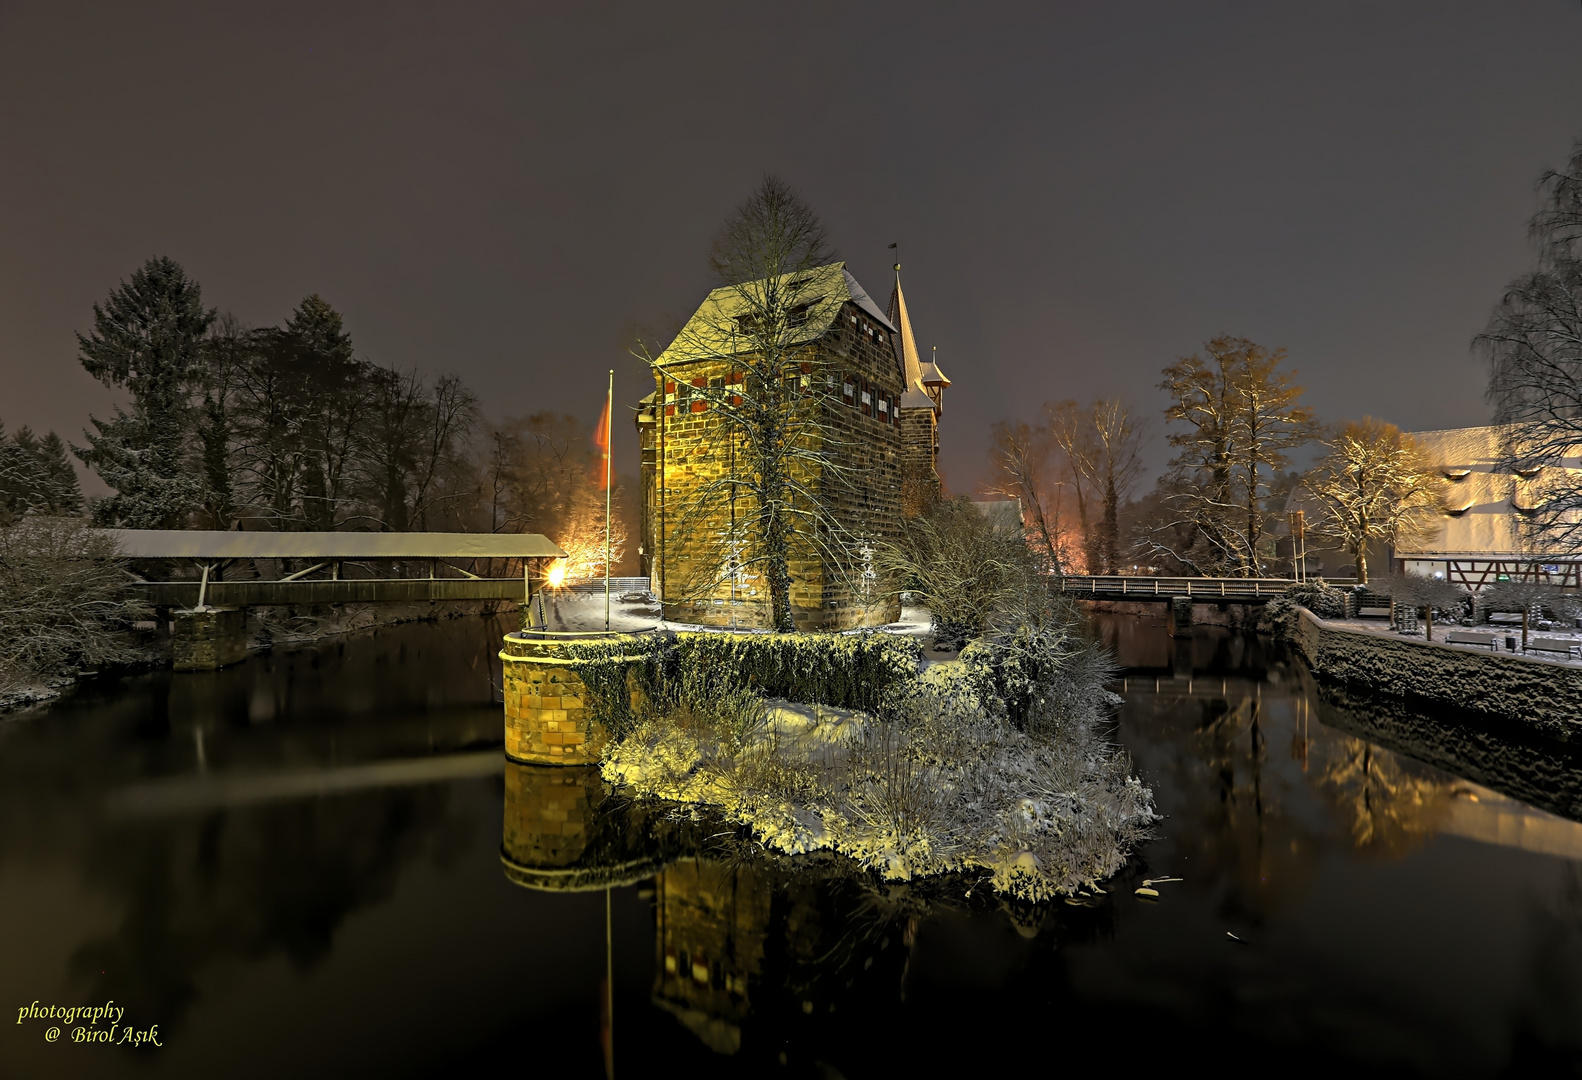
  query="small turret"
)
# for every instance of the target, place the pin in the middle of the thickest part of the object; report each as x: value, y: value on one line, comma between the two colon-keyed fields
x: 934, y: 381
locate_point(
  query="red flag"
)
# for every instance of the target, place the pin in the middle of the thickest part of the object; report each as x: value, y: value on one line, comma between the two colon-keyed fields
x: 601, y: 439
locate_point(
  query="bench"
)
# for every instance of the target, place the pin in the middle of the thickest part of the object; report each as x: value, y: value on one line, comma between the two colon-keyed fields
x: 1504, y: 618
x: 1373, y: 613
x: 1464, y: 637
x: 1552, y: 644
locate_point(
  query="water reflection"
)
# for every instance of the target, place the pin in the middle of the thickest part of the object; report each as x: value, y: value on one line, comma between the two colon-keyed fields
x: 564, y: 832
x: 354, y: 868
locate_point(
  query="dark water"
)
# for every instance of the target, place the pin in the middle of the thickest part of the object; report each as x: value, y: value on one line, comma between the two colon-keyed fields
x: 315, y: 864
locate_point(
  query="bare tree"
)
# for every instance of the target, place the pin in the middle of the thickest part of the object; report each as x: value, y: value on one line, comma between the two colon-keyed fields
x: 1238, y: 417
x: 1533, y: 346
x: 544, y: 475
x: 1023, y: 456
x: 439, y: 460
x: 770, y: 501
x: 1375, y: 484
x: 1101, y: 447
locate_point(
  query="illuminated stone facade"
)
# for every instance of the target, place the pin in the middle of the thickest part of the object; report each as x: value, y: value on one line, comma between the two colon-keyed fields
x: 547, y: 716
x: 877, y: 427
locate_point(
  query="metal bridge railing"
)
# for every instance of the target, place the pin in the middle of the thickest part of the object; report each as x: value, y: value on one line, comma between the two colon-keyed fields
x: 1163, y: 588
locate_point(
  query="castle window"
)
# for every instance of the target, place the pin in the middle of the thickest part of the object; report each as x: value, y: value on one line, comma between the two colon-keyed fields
x: 848, y: 391
x: 867, y: 399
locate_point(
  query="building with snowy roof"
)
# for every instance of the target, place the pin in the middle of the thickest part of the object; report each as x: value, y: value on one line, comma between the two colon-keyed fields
x: 866, y: 409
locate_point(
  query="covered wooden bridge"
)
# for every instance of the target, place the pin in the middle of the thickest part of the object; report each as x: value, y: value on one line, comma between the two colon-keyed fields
x: 248, y: 569
x: 207, y: 579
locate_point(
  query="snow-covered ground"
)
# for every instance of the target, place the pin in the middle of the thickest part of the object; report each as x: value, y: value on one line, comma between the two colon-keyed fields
x: 634, y: 612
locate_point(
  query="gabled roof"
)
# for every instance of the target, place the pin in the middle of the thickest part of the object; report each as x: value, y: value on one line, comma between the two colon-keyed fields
x: 825, y: 289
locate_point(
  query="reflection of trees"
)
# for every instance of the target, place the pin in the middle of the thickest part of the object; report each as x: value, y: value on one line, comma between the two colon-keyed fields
x: 250, y: 884
x: 1392, y: 805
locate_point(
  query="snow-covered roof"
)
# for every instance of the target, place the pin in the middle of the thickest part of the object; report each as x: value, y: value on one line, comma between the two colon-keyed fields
x: 711, y: 330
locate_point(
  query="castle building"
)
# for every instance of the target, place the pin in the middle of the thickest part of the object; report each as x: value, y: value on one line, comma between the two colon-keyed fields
x: 868, y: 411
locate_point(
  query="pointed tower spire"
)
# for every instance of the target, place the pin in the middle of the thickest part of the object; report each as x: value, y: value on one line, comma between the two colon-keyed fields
x: 914, y: 396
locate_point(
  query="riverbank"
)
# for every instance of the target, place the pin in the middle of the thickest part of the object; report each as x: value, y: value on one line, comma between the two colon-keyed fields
x: 267, y: 628
x: 1541, y: 695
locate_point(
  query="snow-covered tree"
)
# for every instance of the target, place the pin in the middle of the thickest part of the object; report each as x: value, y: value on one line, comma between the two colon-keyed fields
x: 148, y: 338
x: 1375, y: 484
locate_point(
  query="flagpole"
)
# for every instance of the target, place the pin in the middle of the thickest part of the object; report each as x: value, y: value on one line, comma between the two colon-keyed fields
x: 609, y: 421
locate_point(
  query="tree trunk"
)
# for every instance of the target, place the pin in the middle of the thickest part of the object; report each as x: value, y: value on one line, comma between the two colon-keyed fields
x: 1360, y: 551
x: 1111, y: 526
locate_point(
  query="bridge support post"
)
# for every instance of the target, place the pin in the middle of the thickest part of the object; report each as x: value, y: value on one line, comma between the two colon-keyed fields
x: 1178, y: 620
x: 206, y: 639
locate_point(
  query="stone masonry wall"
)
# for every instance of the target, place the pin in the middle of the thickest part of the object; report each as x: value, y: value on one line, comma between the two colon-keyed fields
x: 689, y: 447
x: 208, y: 640
x: 1543, y: 695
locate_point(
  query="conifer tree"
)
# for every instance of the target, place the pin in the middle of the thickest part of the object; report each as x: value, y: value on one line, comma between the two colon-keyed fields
x: 148, y: 339
x: 35, y: 476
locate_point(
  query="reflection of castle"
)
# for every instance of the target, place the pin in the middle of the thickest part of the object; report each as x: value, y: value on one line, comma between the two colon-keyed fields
x: 555, y: 838
x: 711, y: 924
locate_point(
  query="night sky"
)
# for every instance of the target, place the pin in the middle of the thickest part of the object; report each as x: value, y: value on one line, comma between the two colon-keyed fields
x: 509, y: 191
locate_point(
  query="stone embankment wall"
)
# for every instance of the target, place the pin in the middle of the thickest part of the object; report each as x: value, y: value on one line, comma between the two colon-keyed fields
x: 1539, y: 694
x: 548, y: 718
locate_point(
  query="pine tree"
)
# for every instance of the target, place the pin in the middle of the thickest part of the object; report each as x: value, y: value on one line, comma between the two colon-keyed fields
x: 35, y: 476
x: 63, y: 494
x: 148, y: 339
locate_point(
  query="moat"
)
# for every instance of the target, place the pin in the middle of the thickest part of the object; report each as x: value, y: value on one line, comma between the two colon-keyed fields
x: 317, y: 862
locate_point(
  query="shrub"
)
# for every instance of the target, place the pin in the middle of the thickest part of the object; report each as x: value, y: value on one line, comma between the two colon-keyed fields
x: 967, y: 566
x: 700, y: 672
x: 1320, y: 599
x: 1039, y: 670
x: 63, y: 601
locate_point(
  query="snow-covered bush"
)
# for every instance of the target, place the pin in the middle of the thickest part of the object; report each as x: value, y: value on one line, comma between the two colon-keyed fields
x: 996, y: 763
x: 1040, y: 670
x: 1321, y: 599
x: 63, y: 601
x: 848, y: 671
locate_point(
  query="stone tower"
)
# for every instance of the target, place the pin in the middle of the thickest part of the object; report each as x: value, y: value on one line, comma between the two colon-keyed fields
x: 875, y: 436
x: 922, y: 405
